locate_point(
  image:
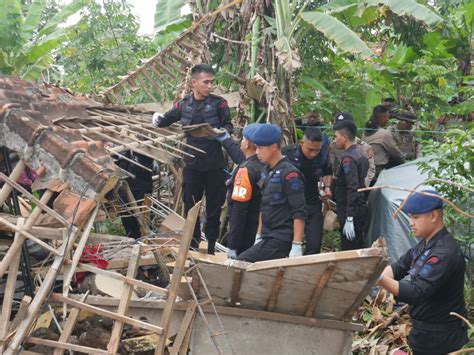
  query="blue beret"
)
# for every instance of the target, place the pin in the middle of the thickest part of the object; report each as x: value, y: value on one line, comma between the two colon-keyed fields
x: 419, y: 203
x: 247, y: 132
x: 264, y: 134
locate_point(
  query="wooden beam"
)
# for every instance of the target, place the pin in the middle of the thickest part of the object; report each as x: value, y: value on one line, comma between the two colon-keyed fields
x: 178, y: 271
x: 362, y: 294
x: 24, y: 304
x: 102, y: 312
x: 43, y: 292
x: 9, y: 291
x: 127, y: 290
x: 14, y: 175
x: 69, y: 326
x: 77, y: 255
x: 18, y: 241
x: 319, y: 288
x: 236, y: 283
x: 273, y: 298
x: 183, y: 329
x: 120, y: 277
x: 65, y: 346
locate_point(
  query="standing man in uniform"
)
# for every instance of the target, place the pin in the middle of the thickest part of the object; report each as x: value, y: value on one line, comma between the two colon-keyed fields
x: 405, y: 136
x: 435, y: 285
x: 311, y: 157
x: 351, y: 174
x: 205, y: 172
x: 244, y: 195
x: 335, y: 154
x: 282, y: 211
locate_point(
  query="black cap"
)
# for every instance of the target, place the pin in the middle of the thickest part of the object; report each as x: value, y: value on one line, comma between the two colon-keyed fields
x: 343, y: 116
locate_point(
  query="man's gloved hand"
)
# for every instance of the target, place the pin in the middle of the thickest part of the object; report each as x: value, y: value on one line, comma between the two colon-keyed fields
x: 349, y: 230
x: 232, y: 254
x: 223, y: 135
x: 296, y: 250
x: 258, y: 238
x: 156, y: 119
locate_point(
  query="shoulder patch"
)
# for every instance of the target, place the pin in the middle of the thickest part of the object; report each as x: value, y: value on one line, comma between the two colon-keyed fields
x: 432, y: 260
x: 291, y: 175
x: 177, y: 105
x: 223, y: 104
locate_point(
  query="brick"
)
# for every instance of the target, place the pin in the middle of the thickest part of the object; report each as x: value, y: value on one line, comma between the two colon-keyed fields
x: 74, y: 208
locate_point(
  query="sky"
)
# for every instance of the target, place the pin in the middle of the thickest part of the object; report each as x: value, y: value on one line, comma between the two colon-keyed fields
x: 145, y: 11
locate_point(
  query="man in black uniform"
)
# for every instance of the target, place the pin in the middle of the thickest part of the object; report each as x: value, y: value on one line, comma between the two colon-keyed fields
x: 141, y: 185
x: 244, y: 196
x: 282, y: 211
x: 311, y: 157
x: 351, y: 174
x: 205, y: 172
x: 435, y: 284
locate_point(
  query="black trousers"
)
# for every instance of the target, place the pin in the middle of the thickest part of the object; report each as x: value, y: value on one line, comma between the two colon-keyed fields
x: 360, y: 220
x: 313, y: 229
x: 212, y: 182
x: 424, y: 342
x: 267, y: 249
x: 130, y: 223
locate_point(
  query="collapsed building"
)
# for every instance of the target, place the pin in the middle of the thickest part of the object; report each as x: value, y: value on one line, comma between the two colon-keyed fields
x: 71, y: 284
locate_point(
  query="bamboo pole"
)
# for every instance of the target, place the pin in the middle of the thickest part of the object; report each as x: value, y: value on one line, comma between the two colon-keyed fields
x: 178, y: 271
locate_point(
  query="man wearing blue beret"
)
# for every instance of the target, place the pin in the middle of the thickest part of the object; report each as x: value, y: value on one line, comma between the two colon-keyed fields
x: 244, y: 192
x: 283, y: 210
x: 430, y: 278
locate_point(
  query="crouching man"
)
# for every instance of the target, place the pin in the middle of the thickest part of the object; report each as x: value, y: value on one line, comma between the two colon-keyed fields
x: 283, y: 210
x: 435, y: 284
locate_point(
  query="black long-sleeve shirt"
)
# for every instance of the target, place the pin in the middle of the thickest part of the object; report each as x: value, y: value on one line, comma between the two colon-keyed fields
x: 436, y: 279
x: 213, y: 110
x: 350, y: 177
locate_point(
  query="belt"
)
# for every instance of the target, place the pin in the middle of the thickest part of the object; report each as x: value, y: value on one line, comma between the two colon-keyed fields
x: 437, y: 326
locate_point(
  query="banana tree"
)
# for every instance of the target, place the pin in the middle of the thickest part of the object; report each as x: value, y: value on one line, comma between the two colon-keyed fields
x: 26, y: 44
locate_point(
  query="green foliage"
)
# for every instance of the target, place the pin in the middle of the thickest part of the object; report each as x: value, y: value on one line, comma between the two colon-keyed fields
x: 452, y: 160
x: 167, y: 13
x: 106, y: 46
x: 28, y: 42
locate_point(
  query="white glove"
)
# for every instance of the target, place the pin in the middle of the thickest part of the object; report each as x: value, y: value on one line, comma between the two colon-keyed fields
x: 223, y: 136
x: 232, y: 254
x: 348, y: 230
x: 258, y: 238
x: 296, y: 250
x: 156, y: 119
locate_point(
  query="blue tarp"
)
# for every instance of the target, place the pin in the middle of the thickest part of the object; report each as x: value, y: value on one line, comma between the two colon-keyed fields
x: 384, y: 202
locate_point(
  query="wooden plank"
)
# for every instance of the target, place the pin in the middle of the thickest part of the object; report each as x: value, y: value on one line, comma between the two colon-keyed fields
x: 152, y: 81
x: 117, y: 329
x: 183, y: 329
x: 317, y: 258
x: 233, y: 311
x: 144, y: 86
x: 125, y: 279
x: 236, y: 283
x: 14, y: 175
x: 288, y: 318
x: 25, y: 302
x: 273, y: 298
x: 77, y: 255
x: 318, y: 290
x: 9, y: 292
x: 43, y: 292
x: 65, y: 346
x: 370, y: 283
x: 102, y: 312
x: 178, y: 271
x: 69, y: 327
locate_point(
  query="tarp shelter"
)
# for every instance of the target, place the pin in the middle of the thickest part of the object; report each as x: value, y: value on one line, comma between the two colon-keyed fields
x: 384, y: 202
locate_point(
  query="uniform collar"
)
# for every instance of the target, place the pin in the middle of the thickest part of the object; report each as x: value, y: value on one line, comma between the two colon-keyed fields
x: 285, y: 159
x: 440, y: 235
